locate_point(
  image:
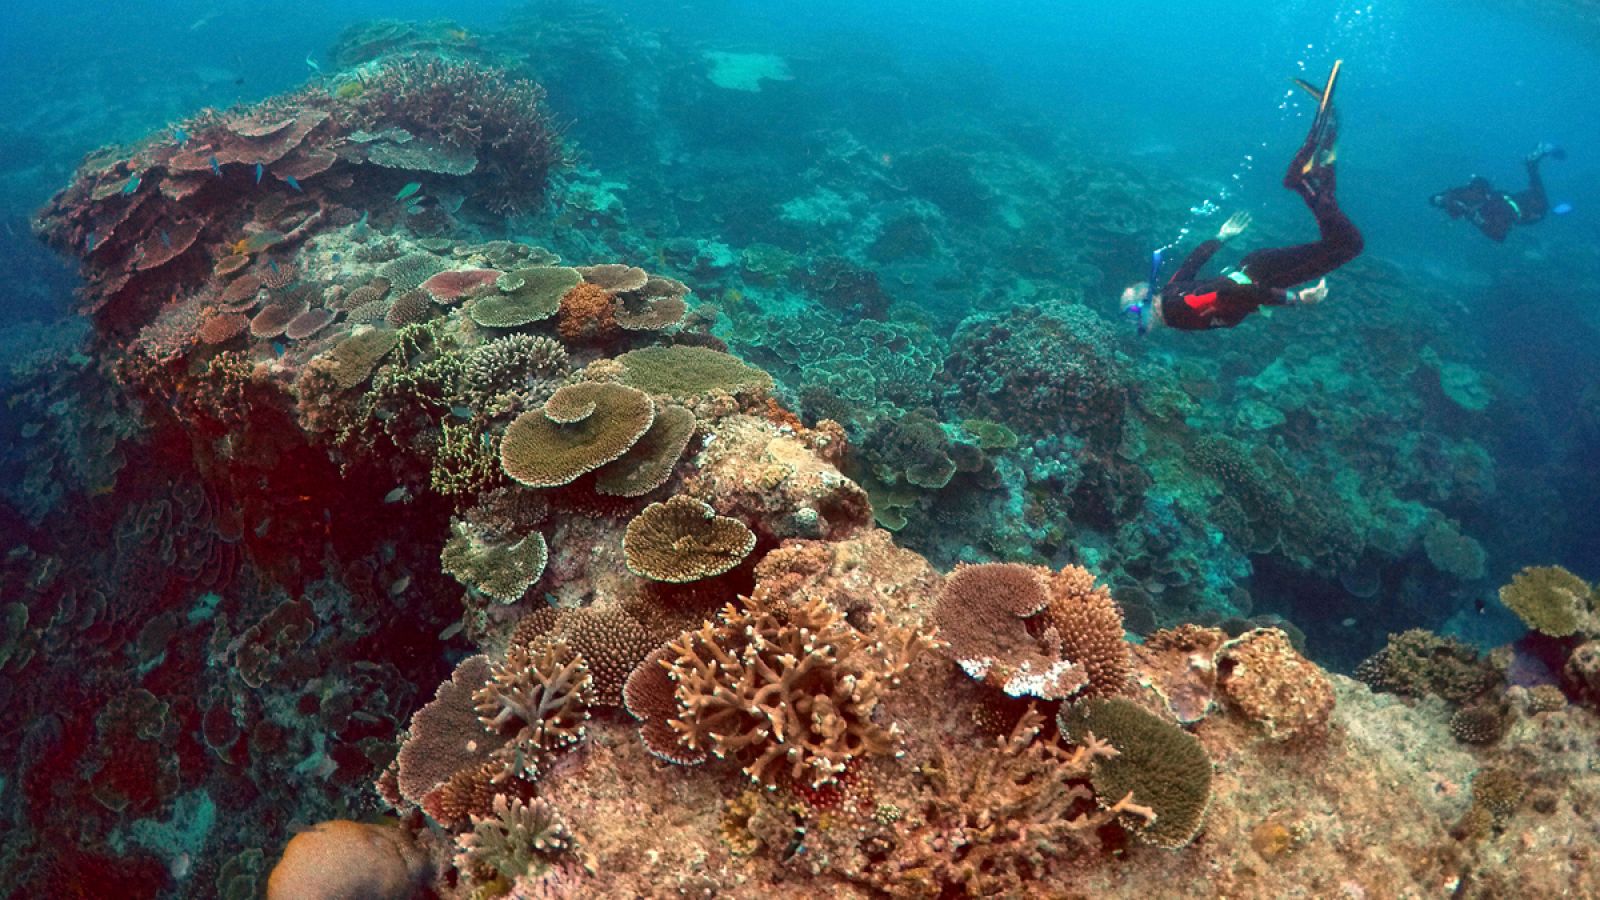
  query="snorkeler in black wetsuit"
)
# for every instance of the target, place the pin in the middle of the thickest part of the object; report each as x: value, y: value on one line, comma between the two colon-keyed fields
x: 1263, y: 277
x: 1493, y: 211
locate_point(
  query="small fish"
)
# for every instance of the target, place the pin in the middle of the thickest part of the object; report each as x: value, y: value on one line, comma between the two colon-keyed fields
x: 279, y: 348
x: 399, y: 587
x: 132, y: 185
x: 313, y: 64
x: 401, y: 494
x: 89, y: 242
x: 260, y: 170
x: 166, y: 239
x: 216, y: 167
x: 461, y: 412
x: 273, y: 265
x: 408, y: 190
x: 362, y: 222
x: 293, y: 182
x: 181, y: 136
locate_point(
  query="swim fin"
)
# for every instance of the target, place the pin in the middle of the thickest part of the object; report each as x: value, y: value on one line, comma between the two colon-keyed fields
x: 1322, y: 140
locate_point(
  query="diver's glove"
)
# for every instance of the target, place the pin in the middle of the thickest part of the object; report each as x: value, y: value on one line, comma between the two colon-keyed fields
x: 1310, y: 296
x: 1234, y: 227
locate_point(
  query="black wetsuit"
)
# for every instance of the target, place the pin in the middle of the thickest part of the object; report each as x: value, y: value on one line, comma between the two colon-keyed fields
x: 1264, y: 276
x: 1493, y: 211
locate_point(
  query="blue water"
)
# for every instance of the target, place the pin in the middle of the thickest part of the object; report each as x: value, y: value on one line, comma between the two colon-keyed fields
x: 1007, y: 119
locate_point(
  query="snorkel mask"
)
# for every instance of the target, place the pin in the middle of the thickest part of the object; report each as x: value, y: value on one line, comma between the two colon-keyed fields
x: 1140, y: 311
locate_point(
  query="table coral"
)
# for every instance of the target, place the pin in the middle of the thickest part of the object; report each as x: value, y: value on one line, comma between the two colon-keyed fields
x: 683, y: 540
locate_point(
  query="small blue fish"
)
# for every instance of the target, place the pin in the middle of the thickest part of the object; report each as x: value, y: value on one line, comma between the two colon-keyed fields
x: 166, y: 239
x: 313, y: 64
x: 408, y: 190
x: 132, y: 185
x: 273, y: 265
x: 291, y: 181
x: 363, y: 220
x: 260, y: 170
x: 89, y: 242
x: 216, y: 167
x: 279, y: 348
x: 181, y: 136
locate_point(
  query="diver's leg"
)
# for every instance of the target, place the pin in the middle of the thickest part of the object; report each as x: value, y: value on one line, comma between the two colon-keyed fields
x: 1533, y: 203
x: 1284, y: 267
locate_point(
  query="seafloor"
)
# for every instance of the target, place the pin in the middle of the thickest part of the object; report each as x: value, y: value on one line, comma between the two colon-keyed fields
x: 429, y: 465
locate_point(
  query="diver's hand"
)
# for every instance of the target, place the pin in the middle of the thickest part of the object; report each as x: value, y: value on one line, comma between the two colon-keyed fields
x: 1234, y: 227
x: 1311, y: 296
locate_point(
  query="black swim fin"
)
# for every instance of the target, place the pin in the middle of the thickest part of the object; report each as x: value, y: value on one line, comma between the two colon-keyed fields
x: 1320, y: 148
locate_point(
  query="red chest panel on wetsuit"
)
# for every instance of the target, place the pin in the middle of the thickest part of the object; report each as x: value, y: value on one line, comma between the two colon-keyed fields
x: 1204, y: 304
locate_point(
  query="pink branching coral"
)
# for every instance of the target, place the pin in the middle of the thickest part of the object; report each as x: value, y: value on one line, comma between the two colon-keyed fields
x: 538, y: 699
x: 990, y: 825
x: 789, y: 694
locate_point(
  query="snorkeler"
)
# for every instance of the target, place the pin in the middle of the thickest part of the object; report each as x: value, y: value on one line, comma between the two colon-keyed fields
x: 1263, y: 277
x: 1494, y: 211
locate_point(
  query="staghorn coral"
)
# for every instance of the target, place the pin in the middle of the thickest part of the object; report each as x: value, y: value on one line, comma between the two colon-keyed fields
x: 686, y: 372
x: 992, y: 824
x: 519, y: 838
x: 525, y: 296
x: 1261, y: 674
x: 1157, y: 764
x: 789, y: 695
x: 503, y: 569
x: 683, y: 540
x: 537, y: 699
x: 650, y: 462
x: 1550, y: 600
x: 465, y: 464
x: 581, y: 428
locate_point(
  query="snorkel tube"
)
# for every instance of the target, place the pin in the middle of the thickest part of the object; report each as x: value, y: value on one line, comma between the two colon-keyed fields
x: 1140, y: 311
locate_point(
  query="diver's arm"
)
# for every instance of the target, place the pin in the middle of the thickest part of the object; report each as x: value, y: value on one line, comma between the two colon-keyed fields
x: 1197, y: 258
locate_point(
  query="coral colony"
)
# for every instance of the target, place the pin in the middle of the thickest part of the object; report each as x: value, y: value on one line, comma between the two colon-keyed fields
x: 456, y: 568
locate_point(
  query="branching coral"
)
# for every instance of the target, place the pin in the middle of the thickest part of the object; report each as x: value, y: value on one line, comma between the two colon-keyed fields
x: 990, y: 827
x: 610, y: 640
x: 789, y: 695
x: 538, y: 700
x: 683, y: 540
x: 520, y: 838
